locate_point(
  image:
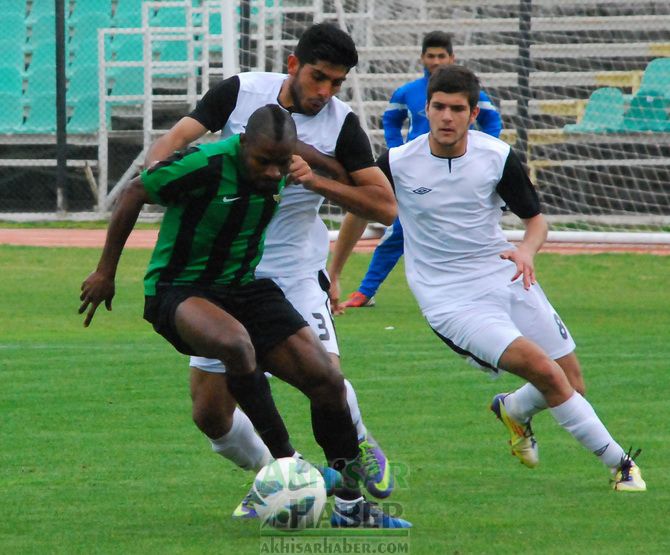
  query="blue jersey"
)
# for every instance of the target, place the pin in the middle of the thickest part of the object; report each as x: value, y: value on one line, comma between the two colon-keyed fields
x: 410, y: 101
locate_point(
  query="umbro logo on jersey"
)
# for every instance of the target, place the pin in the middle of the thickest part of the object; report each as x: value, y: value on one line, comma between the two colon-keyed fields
x: 229, y: 199
x: 276, y: 198
x: 422, y: 190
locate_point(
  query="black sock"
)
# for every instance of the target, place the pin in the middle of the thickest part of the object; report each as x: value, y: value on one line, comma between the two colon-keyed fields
x: 252, y: 393
x: 335, y: 432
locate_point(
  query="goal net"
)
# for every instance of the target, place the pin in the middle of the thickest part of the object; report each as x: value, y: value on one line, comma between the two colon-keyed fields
x: 583, y: 87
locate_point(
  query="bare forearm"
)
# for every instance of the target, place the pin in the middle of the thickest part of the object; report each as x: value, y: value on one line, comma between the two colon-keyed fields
x: 371, y: 202
x: 536, y: 233
x: 120, y: 225
x: 350, y: 232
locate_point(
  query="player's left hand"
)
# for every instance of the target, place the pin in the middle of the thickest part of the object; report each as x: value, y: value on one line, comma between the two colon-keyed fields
x: 96, y: 288
x: 334, y: 296
x: 524, y: 265
x: 301, y: 172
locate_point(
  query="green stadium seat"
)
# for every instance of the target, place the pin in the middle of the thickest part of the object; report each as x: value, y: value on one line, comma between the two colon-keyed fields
x: 40, y: 82
x: 86, y: 52
x: 168, y: 17
x: 648, y: 111
x: 604, y: 113
x: 85, y: 7
x: 43, y: 30
x: 40, y: 9
x: 11, y: 115
x: 83, y: 82
x: 85, y: 117
x: 128, y: 81
x: 128, y: 48
x: 656, y: 77
x: 170, y: 50
x: 43, y: 58
x: 15, y: 7
x: 12, y: 55
x: 87, y: 26
x: 13, y: 27
x: 41, y: 116
x: 11, y: 81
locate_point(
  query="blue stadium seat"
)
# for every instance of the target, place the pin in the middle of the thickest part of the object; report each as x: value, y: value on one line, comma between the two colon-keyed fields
x: 128, y: 13
x: 86, y: 52
x: 168, y: 17
x: 18, y: 7
x: 128, y: 48
x: 648, y: 111
x: 11, y: 115
x: 39, y: 83
x: 41, y: 116
x: 85, y: 117
x: 603, y: 114
x: 11, y: 81
x: 87, y: 26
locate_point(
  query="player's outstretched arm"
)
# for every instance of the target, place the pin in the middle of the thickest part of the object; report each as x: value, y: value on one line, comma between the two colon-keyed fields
x: 523, y: 256
x: 351, y: 230
x: 99, y: 285
x: 183, y: 133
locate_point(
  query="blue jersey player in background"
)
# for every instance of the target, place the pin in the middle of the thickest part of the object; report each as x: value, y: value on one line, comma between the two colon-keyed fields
x: 409, y: 101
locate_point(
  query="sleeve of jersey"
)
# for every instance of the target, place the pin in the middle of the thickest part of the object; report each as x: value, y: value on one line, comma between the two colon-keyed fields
x: 214, y: 109
x: 393, y: 119
x: 385, y: 165
x: 488, y: 120
x: 353, y: 148
x: 516, y: 189
x: 177, y: 178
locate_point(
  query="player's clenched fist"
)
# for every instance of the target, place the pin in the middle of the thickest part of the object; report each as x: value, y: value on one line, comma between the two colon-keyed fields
x: 301, y: 172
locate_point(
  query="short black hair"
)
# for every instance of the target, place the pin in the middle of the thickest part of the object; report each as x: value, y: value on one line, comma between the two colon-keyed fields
x: 455, y: 79
x: 272, y: 121
x: 437, y: 39
x: 324, y: 42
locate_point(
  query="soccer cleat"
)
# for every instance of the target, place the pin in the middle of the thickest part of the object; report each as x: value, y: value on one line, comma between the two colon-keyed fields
x: 628, y: 476
x: 522, y: 441
x: 377, y: 475
x: 365, y: 515
x: 246, y: 507
x: 358, y: 300
x: 331, y: 477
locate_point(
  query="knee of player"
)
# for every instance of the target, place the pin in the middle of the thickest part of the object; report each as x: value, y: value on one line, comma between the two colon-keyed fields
x: 330, y: 384
x: 235, y: 350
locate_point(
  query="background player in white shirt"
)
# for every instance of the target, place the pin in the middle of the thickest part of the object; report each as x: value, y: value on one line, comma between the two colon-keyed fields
x: 296, y: 246
x: 479, y: 292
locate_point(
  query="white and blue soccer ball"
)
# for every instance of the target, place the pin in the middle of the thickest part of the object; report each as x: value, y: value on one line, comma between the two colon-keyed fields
x: 289, y: 494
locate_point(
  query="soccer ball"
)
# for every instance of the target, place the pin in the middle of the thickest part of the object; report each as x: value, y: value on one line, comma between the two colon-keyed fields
x: 289, y: 494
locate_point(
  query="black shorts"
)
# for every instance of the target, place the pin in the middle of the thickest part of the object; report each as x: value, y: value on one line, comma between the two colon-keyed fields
x: 260, y: 306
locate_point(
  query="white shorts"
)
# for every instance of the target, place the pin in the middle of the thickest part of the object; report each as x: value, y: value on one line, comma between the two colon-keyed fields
x: 308, y: 295
x: 482, y: 329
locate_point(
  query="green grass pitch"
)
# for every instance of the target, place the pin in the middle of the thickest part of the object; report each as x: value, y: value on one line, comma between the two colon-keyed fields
x: 98, y: 453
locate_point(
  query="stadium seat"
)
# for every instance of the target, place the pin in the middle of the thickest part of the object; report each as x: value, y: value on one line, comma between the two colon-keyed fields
x: 128, y: 81
x: 15, y: 7
x: 11, y: 81
x: 42, y: 30
x: 656, y: 77
x: 128, y: 48
x: 86, y: 52
x: 85, y: 7
x: 84, y: 115
x: 170, y: 50
x: 13, y: 27
x: 87, y: 26
x: 12, y: 54
x: 41, y: 116
x: 603, y: 114
x: 168, y: 17
x: 648, y: 111
x: 11, y: 115
x: 83, y: 82
x: 128, y: 13
x: 40, y: 82
x: 43, y: 58
x: 40, y: 9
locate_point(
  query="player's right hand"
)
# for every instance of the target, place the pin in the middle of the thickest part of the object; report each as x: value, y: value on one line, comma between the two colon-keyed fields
x: 97, y: 287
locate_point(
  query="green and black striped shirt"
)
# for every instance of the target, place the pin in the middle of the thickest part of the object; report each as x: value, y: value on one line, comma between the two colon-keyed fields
x: 214, y: 227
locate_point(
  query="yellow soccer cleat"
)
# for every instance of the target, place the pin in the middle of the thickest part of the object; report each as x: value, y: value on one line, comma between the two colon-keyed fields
x: 522, y: 441
x: 628, y: 476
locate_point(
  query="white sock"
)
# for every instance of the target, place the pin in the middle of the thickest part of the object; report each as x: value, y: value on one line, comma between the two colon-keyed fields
x: 524, y: 403
x: 577, y: 416
x: 355, y: 411
x: 347, y: 504
x: 241, y: 445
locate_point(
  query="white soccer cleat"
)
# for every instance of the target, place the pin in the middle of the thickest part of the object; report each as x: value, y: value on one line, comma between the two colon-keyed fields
x: 522, y: 440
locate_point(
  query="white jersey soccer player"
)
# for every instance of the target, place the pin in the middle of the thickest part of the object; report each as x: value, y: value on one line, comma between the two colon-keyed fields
x: 477, y: 291
x: 296, y: 241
